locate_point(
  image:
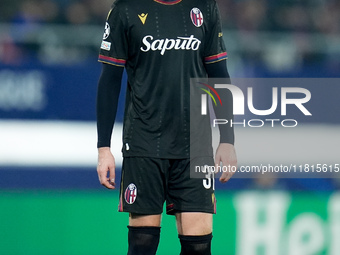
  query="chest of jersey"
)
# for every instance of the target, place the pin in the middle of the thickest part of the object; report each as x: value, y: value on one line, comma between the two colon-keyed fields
x: 165, y: 29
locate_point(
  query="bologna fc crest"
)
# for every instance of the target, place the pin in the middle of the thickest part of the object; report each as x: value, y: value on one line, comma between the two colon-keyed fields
x: 130, y: 194
x: 196, y: 17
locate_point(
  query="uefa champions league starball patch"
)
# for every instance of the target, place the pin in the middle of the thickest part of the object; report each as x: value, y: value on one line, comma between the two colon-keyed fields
x: 196, y: 17
x: 130, y: 194
x: 106, y: 31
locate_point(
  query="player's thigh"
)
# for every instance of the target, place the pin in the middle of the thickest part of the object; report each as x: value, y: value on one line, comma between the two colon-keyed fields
x: 138, y: 220
x: 194, y: 223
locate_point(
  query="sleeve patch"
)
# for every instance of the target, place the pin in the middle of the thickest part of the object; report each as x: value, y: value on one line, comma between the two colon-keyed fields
x: 105, y: 45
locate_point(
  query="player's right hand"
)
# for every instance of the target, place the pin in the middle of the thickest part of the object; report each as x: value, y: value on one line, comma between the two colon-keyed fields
x: 106, y: 168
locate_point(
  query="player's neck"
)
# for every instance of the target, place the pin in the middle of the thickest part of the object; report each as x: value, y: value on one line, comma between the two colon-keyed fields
x: 168, y: 2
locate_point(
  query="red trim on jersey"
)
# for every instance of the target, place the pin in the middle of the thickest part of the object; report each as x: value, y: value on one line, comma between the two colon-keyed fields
x: 113, y: 61
x: 169, y: 2
x: 216, y: 58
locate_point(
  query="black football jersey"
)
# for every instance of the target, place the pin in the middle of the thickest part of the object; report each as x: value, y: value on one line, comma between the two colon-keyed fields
x: 162, y: 44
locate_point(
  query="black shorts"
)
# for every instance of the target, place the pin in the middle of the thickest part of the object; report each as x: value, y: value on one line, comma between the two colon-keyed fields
x: 148, y: 182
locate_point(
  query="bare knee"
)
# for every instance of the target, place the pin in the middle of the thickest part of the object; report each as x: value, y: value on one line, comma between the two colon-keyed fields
x: 194, y: 224
x: 139, y: 220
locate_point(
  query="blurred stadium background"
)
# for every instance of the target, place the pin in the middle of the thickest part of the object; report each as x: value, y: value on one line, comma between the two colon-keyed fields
x: 50, y: 199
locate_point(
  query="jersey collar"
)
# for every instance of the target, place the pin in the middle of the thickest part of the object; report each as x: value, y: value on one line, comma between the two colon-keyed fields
x: 168, y: 2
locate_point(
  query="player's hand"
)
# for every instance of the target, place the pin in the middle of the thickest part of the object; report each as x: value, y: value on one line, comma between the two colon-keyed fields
x: 226, y: 154
x: 106, y: 168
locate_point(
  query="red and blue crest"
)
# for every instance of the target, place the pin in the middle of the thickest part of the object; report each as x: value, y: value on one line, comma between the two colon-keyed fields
x: 130, y: 194
x: 196, y: 17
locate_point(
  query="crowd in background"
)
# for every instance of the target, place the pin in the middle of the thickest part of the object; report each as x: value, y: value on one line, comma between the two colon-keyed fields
x: 321, y: 16
x: 54, y: 11
x: 249, y: 18
x: 251, y: 15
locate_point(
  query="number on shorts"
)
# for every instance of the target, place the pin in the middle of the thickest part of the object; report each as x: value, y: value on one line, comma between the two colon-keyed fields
x: 209, y: 180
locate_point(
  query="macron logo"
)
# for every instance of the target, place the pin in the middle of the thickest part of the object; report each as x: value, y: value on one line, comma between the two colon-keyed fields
x: 162, y: 45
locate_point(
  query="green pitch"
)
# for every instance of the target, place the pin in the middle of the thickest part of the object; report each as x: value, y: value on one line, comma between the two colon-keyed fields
x: 87, y: 223
x: 74, y: 223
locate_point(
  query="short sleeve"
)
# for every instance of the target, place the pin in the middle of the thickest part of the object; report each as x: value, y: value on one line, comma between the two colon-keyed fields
x: 214, y: 50
x: 113, y: 49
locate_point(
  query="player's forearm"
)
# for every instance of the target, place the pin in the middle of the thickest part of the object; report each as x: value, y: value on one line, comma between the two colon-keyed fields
x: 107, y: 102
x: 224, y: 111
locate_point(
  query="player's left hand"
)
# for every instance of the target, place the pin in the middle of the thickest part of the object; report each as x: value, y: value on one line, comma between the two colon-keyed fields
x: 226, y: 154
